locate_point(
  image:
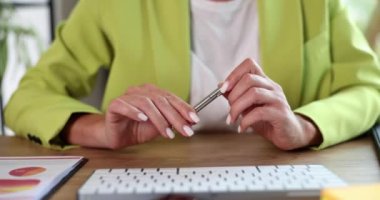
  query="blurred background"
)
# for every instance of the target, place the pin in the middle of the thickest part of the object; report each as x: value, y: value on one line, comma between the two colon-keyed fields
x: 27, y: 29
x: 366, y: 13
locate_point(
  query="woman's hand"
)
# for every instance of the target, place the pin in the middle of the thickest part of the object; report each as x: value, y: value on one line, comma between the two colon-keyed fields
x: 145, y: 112
x: 139, y: 115
x: 262, y: 105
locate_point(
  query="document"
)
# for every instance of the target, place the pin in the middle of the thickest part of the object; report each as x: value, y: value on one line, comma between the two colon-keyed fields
x: 35, y: 177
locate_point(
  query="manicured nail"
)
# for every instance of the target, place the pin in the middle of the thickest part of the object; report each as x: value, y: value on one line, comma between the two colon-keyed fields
x: 170, y: 133
x: 239, y: 129
x: 194, y: 117
x: 224, y: 87
x: 189, y: 132
x: 142, y: 116
x: 228, y: 120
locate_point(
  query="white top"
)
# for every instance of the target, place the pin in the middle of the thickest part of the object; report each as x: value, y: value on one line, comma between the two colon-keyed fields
x: 224, y: 33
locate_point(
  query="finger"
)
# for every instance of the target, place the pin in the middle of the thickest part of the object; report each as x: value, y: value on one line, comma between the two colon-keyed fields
x: 247, y: 66
x: 183, y: 108
x: 186, y: 111
x: 259, y: 115
x: 248, y: 81
x: 158, y: 120
x: 172, y: 116
x: 252, y: 97
x: 121, y: 107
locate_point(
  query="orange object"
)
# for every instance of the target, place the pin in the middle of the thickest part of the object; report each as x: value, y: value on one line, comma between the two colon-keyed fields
x: 354, y: 192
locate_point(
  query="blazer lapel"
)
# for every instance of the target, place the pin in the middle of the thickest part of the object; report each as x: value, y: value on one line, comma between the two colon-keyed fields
x: 281, y: 45
x: 170, y: 39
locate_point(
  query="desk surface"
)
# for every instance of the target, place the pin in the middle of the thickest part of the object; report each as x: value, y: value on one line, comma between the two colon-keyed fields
x: 354, y: 161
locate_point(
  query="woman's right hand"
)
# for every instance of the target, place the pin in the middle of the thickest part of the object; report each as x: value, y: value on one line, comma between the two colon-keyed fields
x: 145, y: 112
x: 141, y: 114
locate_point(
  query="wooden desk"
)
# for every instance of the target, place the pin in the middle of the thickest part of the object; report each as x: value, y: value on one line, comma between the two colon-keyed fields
x: 354, y: 161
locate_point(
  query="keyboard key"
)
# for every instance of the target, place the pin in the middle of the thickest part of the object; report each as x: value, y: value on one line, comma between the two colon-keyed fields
x: 121, y: 183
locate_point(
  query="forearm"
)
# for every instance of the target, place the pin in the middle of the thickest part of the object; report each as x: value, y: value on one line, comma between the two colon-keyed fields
x: 343, y: 115
x: 85, y: 130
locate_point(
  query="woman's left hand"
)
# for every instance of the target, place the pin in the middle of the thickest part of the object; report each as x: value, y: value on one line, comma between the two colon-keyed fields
x: 262, y: 105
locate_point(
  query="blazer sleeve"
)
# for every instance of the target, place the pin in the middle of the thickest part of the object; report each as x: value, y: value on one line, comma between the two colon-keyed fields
x: 353, y: 102
x: 47, y: 94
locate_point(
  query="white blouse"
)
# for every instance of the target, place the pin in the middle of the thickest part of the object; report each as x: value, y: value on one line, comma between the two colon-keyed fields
x: 224, y: 33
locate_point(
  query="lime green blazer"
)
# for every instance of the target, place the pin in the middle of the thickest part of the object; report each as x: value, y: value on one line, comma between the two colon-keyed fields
x: 324, y: 64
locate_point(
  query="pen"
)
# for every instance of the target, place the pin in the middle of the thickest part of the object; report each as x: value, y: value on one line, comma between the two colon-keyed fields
x: 208, y: 99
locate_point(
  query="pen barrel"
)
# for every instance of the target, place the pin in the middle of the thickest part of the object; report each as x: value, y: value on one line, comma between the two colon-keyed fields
x: 211, y: 97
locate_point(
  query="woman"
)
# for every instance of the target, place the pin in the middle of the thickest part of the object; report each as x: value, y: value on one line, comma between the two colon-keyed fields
x: 316, y: 85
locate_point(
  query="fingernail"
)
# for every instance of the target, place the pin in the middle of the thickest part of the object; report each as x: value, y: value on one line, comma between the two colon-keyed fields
x: 170, y: 133
x: 189, y: 132
x: 142, y: 116
x: 224, y: 87
x: 228, y: 120
x: 239, y: 129
x: 194, y: 117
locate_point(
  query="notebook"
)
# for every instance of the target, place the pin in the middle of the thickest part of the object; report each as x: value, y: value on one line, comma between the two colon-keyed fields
x: 238, y: 182
x: 35, y: 177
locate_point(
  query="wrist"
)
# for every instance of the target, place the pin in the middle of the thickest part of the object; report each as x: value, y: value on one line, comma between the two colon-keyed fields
x: 85, y: 129
x: 311, y: 132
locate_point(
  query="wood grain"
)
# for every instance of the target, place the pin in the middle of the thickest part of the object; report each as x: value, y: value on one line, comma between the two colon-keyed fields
x: 354, y: 161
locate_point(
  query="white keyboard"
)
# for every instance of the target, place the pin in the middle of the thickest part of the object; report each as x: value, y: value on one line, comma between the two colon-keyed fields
x: 241, y: 182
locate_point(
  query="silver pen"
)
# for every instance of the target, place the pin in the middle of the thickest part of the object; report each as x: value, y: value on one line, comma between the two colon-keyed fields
x: 208, y: 99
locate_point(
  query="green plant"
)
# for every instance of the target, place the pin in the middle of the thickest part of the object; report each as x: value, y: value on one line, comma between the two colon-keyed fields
x: 7, y: 27
x: 21, y: 34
